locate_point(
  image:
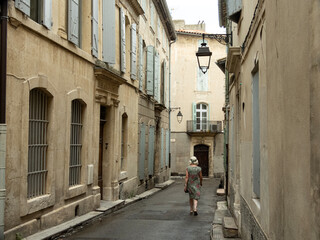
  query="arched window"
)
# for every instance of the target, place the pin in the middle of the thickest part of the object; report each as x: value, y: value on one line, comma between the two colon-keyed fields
x: 37, y: 143
x: 201, y: 117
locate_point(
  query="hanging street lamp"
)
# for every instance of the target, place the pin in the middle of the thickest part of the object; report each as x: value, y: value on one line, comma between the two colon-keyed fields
x: 203, y: 56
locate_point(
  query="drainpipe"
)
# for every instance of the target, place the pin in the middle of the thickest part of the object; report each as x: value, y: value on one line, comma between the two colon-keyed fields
x: 170, y: 101
x: 3, y: 126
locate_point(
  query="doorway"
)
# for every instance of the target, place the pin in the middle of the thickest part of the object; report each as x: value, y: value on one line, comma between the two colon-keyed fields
x: 202, y: 153
x: 101, y: 141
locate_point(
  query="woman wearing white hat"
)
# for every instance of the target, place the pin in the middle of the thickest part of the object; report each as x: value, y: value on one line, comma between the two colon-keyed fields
x: 193, y: 183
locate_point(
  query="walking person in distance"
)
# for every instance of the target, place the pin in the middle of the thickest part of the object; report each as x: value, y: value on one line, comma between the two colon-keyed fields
x: 193, y: 183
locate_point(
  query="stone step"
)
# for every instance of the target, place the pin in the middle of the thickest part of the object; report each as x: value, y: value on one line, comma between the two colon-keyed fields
x: 230, y: 229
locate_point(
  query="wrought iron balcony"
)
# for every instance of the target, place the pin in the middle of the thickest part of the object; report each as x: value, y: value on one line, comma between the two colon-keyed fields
x: 204, y: 127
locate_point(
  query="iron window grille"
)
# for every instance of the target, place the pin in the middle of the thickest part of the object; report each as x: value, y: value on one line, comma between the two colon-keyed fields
x: 75, y: 143
x: 37, y: 143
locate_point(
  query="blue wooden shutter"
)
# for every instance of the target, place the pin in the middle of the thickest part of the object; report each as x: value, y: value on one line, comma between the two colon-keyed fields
x: 150, y: 77
x: 194, y: 116
x: 108, y: 31
x: 152, y: 16
x: 95, y: 27
x: 151, y: 151
x: 159, y: 29
x: 23, y: 6
x: 47, y: 13
x: 133, y: 70
x: 165, y: 83
x: 140, y: 62
x: 142, y: 144
x: 167, y: 146
x: 73, y: 22
x: 157, y: 77
x: 202, y: 79
x: 123, y: 41
x: 256, y: 134
x: 161, y: 148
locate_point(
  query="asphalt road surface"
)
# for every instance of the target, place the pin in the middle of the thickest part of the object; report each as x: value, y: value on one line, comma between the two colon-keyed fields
x: 163, y: 216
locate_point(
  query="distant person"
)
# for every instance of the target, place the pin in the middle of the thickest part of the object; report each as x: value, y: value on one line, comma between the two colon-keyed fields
x: 193, y: 183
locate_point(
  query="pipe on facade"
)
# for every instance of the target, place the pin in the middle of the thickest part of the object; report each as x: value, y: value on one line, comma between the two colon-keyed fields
x: 3, y: 126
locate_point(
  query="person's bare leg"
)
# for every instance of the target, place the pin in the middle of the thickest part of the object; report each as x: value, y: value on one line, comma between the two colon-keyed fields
x: 195, y: 205
x: 191, y: 204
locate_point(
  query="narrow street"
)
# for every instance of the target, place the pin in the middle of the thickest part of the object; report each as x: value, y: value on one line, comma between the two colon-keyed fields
x: 165, y: 215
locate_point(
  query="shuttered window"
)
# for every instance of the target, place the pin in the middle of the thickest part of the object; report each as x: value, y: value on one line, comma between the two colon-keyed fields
x: 157, y: 77
x: 142, y: 145
x: 201, y: 117
x: 124, y: 141
x: 202, y: 79
x: 152, y: 16
x: 141, y: 63
x: 74, y: 21
x: 151, y: 150
x: 162, y: 148
x: 109, y: 32
x: 75, y: 143
x: 150, y: 70
x: 37, y: 150
x: 256, y: 134
x: 133, y: 52
x: 38, y: 10
x: 167, y: 146
x: 95, y: 27
x: 122, y: 41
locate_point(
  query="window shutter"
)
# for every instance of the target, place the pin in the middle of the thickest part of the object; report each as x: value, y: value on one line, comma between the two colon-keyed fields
x: 142, y: 143
x: 140, y: 62
x: 123, y: 41
x: 95, y: 27
x: 161, y: 148
x: 164, y: 83
x: 133, y: 73
x: 108, y: 31
x: 47, y: 13
x: 23, y: 6
x: 73, y: 21
x: 208, y: 117
x: 151, y: 151
x: 150, y: 77
x: 152, y: 15
x: 157, y: 77
x: 167, y: 146
x: 194, y: 116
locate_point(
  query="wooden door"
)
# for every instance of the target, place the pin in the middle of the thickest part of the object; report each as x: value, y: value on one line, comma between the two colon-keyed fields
x: 202, y: 153
x: 101, y: 138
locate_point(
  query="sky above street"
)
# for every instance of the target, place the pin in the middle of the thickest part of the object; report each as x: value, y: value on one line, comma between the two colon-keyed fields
x: 193, y: 11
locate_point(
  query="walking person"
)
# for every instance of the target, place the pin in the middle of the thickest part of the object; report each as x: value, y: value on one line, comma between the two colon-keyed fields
x: 193, y: 183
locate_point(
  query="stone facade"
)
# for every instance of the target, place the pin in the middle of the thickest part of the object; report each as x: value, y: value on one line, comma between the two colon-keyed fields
x: 65, y: 57
x: 273, y: 85
x: 193, y: 91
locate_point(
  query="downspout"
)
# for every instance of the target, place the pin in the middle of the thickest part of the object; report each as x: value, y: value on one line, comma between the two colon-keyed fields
x: 170, y: 101
x: 3, y: 126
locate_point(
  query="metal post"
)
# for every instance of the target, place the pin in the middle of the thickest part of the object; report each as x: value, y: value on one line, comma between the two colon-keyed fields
x: 3, y: 126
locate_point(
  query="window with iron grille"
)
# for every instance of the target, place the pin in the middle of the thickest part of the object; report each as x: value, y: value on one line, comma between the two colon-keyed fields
x: 75, y: 143
x: 37, y: 143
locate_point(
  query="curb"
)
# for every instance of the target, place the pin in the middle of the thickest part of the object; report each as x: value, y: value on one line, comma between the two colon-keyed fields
x: 106, y: 207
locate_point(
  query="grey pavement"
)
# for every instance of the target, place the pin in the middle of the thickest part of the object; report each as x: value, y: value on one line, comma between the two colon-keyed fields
x: 164, y: 215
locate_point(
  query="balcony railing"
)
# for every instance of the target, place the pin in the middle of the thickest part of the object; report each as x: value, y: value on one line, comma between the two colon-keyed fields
x: 204, y: 126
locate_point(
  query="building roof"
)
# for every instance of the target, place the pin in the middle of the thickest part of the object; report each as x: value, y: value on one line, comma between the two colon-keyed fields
x: 165, y: 15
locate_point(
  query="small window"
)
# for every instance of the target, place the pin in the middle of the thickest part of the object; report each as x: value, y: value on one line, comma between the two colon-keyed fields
x: 37, y: 150
x: 201, y: 117
x: 75, y: 143
x: 124, y: 131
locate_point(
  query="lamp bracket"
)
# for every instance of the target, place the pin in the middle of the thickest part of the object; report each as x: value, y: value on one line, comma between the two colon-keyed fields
x: 221, y: 38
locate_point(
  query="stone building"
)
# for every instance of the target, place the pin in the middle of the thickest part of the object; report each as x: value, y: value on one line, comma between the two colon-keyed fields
x: 200, y: 98
x: 273, y: 117
x: 87, y: 106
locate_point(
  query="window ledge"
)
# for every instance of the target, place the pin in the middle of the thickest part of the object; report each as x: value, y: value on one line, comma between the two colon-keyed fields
x: 75, y: 191
x: 36, y: 204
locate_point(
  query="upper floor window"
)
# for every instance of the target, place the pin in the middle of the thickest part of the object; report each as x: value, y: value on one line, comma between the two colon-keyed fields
x: 74, y: 21
x: 75, y: 143
x: 124, y: 130
x: 37, y: 143
x: 39, y: 11
x: 201, y: 117
x: 202, y: 79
